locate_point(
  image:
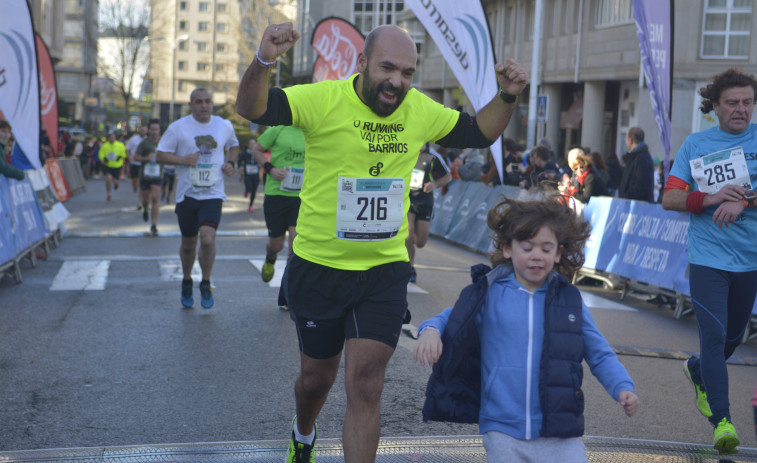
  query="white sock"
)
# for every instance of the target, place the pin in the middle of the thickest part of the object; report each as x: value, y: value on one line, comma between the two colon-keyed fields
x: 307, y: 440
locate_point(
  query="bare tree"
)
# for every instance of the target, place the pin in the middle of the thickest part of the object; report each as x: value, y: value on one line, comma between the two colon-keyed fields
x: 124, y: 23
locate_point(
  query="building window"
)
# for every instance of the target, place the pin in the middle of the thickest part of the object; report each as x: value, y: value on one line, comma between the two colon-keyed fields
x: 202, y: 46
x: 220, y: 47
x: 726, y: 29
x: 182, y: 25
x: 181, y: 86
x: 203, y: 26
x: 202, y: 66
x: 613, y: 13
x: 183, y: 6
x: 182, y: 65
x: 204, y: 6
x: 370, y: 13
x: 183, y: 45
x: 221, y: 7
x: 219, y: 67
x: 221, y: 27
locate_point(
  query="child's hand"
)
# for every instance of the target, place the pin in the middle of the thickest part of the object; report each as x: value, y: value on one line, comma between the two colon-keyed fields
x: 428, y: 348
x: 628, y: 400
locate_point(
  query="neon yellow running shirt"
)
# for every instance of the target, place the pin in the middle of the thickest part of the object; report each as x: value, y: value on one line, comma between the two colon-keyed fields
x: 357, y: 172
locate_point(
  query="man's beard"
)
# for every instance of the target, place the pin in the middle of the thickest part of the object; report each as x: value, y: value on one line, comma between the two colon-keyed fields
x: 372, y: 95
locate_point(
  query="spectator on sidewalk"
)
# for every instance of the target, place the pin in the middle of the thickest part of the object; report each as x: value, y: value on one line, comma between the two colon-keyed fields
x: 638, y: 175
x: 5, y: 168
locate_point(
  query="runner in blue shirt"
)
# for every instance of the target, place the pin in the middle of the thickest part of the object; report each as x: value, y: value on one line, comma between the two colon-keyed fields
x: 720, y: 167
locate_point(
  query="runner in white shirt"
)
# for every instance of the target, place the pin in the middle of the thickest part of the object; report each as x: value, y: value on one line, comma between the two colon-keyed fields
x: 204, y: 148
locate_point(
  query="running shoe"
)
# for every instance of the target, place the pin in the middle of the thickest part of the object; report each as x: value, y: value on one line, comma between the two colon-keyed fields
x: 299, y: 452
x: 701, y: 396
x: 267, y: 272
x: 206, y: 295
x: 109, y: 196
x: 413, y: 275
x: 154, y: 230
x: 725, y: 438
x: 187, y: 300
x: 145, y: 215
x: 251, y: 209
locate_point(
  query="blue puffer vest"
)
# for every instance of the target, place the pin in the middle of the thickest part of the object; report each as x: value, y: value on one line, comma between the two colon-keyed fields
x: 453, y: 392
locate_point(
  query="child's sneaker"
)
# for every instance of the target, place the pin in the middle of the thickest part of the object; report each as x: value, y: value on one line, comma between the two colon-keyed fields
x: 299, y: 452
x: 701, y: 396
x: 725, y: 440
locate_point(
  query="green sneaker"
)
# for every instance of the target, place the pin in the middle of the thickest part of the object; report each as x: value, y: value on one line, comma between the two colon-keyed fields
x: 725, y: 438
x: 267, y: 271
x: 299, y: 452
x: 702, y: 404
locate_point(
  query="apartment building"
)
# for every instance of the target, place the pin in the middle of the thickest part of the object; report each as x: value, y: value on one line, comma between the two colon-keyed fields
x: 202, y: 43
x: 589, y: 65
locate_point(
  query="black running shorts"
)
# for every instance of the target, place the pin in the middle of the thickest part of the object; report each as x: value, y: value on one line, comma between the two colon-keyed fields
x: 193, y: 213
x: 280, y: 213
x: 330, y: 305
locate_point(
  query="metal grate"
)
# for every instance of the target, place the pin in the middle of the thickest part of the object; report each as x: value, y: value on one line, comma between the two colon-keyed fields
x: 457, y: 449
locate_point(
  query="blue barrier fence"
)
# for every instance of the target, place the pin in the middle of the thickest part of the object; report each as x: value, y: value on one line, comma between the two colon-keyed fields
x: 630, y: 239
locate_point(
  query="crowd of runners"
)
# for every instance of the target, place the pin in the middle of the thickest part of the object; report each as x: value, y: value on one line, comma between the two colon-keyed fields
x: 353, y: 215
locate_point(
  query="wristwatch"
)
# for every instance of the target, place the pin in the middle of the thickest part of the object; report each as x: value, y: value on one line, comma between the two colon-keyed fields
x: 749, y: 198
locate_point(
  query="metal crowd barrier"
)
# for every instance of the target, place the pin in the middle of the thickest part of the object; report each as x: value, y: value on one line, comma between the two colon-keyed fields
x: 448, y: 449
x: 74, y: 176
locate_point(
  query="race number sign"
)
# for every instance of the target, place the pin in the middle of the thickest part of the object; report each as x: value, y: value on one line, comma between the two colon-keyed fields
x: 111, y: 157
x: 416, y: 180
x: 716, y: 170
x: 152, y: 170
x: 293, y: 179
x: 251, y: 169
x: 204, y: 175
x: 369, y: 209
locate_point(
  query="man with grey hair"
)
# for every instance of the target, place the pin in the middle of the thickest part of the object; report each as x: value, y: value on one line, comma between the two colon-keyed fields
x: 203, y: 147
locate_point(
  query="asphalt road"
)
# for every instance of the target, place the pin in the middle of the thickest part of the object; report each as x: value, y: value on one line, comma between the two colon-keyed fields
x: 126, y: 365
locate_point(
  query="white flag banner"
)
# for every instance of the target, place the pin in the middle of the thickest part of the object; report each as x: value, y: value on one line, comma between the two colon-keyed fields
x: 460, y: 31
x: 19, y: 77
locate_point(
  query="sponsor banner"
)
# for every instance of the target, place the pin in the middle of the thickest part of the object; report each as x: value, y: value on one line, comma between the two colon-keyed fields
x: 654, y: 26
x: 26, y: 216
x: 461, y: 33
x: 48, y: 94
x: 445, y: 206
x: 638, y: 240
x: 7, y: 247
x: 19, y: 85
x: 53, y: 211
x: 469, y: 222
x: 58, y: 181
x: 338, y: 43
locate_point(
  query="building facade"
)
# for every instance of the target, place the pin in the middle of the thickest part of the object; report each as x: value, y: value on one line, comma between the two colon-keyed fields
x: 589, y: 65
x: 73, y: 50
x: 202, y: 43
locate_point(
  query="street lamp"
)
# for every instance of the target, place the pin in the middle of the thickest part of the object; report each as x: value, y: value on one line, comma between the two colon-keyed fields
x: 178, y: 39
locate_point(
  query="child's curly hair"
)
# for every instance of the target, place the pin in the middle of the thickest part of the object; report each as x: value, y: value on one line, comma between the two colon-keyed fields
x: 522, y: 220
x: 727, y: 79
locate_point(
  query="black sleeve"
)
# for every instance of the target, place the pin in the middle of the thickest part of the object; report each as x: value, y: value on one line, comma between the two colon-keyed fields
x: 278, y: 111
x: 465, y: 134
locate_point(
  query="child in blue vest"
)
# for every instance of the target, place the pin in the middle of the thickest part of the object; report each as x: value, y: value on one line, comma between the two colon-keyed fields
x: 514, y: 341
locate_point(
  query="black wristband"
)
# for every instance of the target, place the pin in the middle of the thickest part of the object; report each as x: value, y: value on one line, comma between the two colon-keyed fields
x: 507, y: 98
x: 267, y: 167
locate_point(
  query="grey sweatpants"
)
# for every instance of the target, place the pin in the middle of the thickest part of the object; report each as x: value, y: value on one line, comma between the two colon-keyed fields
x: 501, y: 448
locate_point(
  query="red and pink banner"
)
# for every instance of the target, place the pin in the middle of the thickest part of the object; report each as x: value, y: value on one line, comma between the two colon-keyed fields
x: 338, y: 43
x: 48, y: 94
x: 57, y: 179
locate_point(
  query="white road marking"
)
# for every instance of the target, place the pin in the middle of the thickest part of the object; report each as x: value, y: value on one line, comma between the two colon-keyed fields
x: 170, y: 270
x: 279, y: 267
x: 81, y: 275
x: 596, y: 302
